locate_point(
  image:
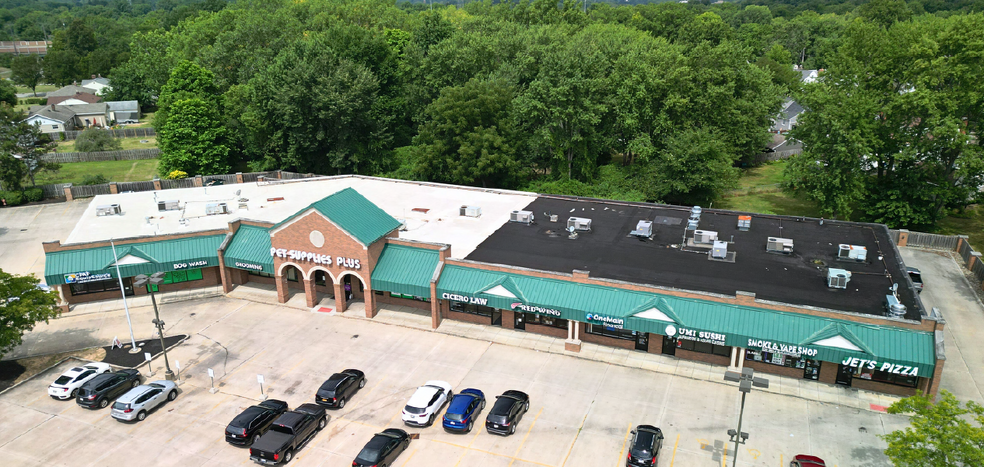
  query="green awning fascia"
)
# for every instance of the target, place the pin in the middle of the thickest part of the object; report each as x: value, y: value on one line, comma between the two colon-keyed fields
x: 405, y: 270
x: 171, y: 255
x: 250, y: 250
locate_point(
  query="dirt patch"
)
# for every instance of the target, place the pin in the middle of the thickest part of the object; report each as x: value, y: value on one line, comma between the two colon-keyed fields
x: 15, y: 371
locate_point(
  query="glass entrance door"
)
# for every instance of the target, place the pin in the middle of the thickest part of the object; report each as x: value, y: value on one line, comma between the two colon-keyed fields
x: 519, y: 322
x: 642, y: 341
x: 496, y: 317
x: 844, y: 375
x: 669, y: 345
x: 811, y: 370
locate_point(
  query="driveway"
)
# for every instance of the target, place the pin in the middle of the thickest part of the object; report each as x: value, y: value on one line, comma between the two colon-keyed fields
x: 23, y: 228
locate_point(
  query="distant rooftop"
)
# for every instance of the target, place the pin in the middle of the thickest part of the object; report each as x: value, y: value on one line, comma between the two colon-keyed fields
x: 608, y: 251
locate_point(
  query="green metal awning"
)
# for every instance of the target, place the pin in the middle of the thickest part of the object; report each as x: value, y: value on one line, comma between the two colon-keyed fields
x: 814, y: 337
x: 405, y: 270
x: 91, y: 264
x: 250, y: 250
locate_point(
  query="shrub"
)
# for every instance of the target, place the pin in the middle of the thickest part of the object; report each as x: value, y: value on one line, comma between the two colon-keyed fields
x: 95, y: 139
x: 13, y: 198
x: 33, y: 194
x: 94, y: 179
x: 176, y: 174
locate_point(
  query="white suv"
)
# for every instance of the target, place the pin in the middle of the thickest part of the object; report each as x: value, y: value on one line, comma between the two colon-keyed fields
x: 426, y: 402
x: 68, y: 384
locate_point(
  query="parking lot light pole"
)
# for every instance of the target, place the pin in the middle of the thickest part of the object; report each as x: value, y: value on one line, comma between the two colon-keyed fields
x: 746, y: 379
x: 155, y: 279
x: 126, y: 309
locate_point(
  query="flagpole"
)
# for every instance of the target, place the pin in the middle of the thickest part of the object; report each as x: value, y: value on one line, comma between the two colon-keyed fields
x: 116, y: 262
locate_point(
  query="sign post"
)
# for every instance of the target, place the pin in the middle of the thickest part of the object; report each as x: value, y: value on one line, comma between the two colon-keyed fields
x: 150, y: 371
x: 211, y: 382
x: 259, y: 379
x: 177, y: 365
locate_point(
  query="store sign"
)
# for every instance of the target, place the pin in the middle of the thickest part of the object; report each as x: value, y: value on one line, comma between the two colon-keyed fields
x: 888, y: 367
x: 83, y: 277
x: 316, y: 258
x: 695, y: 335
x: 535, y: 309
x: 465, y: 299
x: 612, y: 322
x: 255, y: 267
x: 193, y: 264
x: 785, y: 349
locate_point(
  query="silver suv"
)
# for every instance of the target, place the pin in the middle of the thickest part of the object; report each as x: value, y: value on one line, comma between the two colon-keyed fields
x: 135, y: 404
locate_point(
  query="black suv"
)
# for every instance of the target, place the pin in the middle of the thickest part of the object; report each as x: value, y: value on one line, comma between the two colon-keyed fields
x: 383, y: 448
x: 647, y: 440
x: 247, y: 427
x: 339, y: 388
x: 97, y: 392
x: 508, y: 410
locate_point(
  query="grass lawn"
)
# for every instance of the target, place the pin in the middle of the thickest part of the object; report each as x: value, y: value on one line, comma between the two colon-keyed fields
x: 759, y: 191
x: 970, y: 223
x: 128, y: 143
x: 4, y: 72
x: 116, y: 171
x: 40, y: 88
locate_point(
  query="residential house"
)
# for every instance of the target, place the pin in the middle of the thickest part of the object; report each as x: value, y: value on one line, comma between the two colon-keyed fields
x: 98, y: 84
x: 787, y: 117
x: 124, y: 111
x: 77, y: 99
x: 82, y: 115
x: 52, y: 118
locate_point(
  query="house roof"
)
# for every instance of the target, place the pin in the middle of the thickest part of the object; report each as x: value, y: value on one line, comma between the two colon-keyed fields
x: 82, y: 96
x: 123, y: 106
x: 102, y: 81
x: 99, y: 108
x: 354, y: 214
x: 792, y: 110
x: 70, y: 90
x: 62, y: 114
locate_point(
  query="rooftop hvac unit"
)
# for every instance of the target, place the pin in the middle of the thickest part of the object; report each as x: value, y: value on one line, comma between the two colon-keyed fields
x: 554, y: 217
x: 692, y: 224
x: 720, y: 250
x: 470, y: 211
x: 523, y: 217
x: 838, y: 278
x: 779, y: 245
x: 212, y: 209
x: 705, y: 236
x: 579, y: 223
x: 108, y: 210
x: 644, y: 229
x: 894, y: 307
x: 744, y: 223
x: 168, y: 205
x: 852, y: 252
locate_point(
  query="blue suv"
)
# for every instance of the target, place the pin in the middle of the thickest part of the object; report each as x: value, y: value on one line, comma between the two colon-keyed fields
x: 463, y: 410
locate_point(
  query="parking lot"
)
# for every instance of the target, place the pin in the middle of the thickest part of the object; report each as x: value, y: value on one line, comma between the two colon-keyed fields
x: 581, y: 410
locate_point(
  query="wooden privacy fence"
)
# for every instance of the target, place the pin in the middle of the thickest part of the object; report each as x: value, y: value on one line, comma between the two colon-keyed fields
x: 928, y: 240
x: 179, y: 183
x: 127, y: 155
x: 56, y: 190
x: 88, y: 191
x: 120, y: 133
x: 124, y: 187
x: 777, y: 155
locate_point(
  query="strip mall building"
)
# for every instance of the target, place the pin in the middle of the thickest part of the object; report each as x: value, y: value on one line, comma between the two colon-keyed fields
x: 792, y: 296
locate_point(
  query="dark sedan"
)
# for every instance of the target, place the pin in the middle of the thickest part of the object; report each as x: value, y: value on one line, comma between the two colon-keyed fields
x: 339, y: 388
x: 647, y: 440
x: 507, y: 411
x: 99, y: 391
x: 383, y: 448
x: 247, y: 427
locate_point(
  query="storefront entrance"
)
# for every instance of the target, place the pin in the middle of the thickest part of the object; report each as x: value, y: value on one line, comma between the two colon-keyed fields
x: 669, y: 345
x: 844, y: 375
x: 642, y: 341
x: 518, y: 322
x: 811, y: 370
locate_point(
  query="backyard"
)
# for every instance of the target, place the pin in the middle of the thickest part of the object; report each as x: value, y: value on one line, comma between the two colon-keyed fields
x: 760, y: 191
x: 127, y: 143
x: 116, y: 171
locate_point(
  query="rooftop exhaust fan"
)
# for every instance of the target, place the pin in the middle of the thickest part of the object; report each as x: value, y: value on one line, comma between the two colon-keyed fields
x: 852, y: 252
x: 779, y: 245
x: 838, y: 278
x: 894, y: 307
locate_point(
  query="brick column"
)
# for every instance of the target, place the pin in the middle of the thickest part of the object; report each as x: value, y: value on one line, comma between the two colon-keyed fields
x: 68, y: 191
x: 225, y: 275
x: 310, y: 293
x: 655, y: 343
x: 371, y: 306
x: 113, y: 188
x: 828, y: 373
x: 340, y: 302
x: 435, y: 306
x: 934, y: 383
x: 157, y: 184
x: 239, y: 177
x: 903, y: 237
x: 975, y: 256
x: 281, y: 288
x: 198, y: 180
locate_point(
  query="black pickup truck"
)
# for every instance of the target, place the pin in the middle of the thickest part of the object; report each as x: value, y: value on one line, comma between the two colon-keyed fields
x: 287, y: 434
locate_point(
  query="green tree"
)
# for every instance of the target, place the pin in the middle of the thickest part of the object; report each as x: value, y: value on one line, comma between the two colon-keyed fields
x: 469, y: 137
x: 193, y: 139
x: 31, y: 145
x: 96, y: 139
x: 27, y: 70
x: 8, y: 93
x: 187, y: 81
x: 22, y: 306
x: 142, y: 76
x: 884, y: 13
x: 941, y: 433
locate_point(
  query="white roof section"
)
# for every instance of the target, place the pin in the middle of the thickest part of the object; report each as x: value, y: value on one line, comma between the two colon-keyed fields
x: 441, y: 223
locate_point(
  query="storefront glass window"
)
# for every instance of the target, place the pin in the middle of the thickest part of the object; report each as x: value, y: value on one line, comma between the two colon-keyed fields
x: 259, y: 273
x: 608, y: 331
x: 472, y: 309
x: 102, y: 286
x: 885, y: 377
x: 291, y: 274
x: 775, y: 358
x: 412, y: 297
x: 533, y: 318
x: 703, y: 347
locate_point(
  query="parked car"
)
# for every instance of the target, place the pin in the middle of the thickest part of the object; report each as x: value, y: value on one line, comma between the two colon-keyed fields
x: 426, y: 402
x: 804, y: 460
x: 67, y: 385
x: 383, y: 448
x: 135, y: 404
x: 507, y: 411
x: 287, y: 434
x: 463, y: 410
x: 647, y: 441
x: 97, y: 392
x: 247, y: 427
x: 339, y: 388
x: 916, y: 277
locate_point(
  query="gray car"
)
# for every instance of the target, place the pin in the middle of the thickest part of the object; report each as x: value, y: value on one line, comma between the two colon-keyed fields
x: 135, y: 404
